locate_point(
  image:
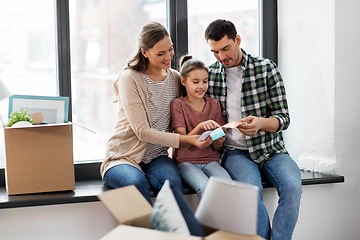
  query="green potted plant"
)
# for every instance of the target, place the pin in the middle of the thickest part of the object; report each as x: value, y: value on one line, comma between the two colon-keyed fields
x: 20, y: 118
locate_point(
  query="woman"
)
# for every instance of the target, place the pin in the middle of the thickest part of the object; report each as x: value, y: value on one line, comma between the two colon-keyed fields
x: 137, y: 152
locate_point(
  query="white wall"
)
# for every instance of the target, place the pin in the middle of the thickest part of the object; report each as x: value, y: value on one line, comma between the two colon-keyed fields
x: 307, y: 64
x: 81, y: 221
x: 318, y: 57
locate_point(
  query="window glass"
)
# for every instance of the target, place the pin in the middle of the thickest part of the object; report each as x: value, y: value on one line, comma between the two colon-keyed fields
x: 243, y: 13
x: 27, y: 51
x: 103, y: 36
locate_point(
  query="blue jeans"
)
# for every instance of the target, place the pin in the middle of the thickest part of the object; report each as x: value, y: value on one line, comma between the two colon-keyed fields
x: 197, y: 175
x: 156, y: 172
x: 284, y: 174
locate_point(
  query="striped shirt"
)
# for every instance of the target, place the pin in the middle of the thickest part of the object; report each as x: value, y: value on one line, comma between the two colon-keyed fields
x: 160, y: 95
x: 263, y: 95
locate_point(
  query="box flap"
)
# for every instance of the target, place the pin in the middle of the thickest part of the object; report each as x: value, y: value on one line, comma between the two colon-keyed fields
x: 136, y: 233
x: 40, y: 125
x: 221, y: 235
x: 128, y: 206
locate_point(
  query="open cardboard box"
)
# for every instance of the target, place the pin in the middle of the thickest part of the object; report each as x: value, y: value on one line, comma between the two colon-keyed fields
x: 39, y: 158
x: 133, y: 213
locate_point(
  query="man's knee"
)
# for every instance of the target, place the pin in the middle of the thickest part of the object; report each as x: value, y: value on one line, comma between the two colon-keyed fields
x: 291, y: 191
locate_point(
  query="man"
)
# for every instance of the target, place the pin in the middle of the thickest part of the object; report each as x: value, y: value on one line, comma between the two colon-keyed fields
x: 251, y: 91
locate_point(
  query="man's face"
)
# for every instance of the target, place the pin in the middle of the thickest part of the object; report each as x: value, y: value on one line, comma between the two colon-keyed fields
x: 227, y: 51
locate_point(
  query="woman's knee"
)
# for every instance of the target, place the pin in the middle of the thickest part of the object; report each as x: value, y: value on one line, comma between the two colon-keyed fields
x: 125, y: 175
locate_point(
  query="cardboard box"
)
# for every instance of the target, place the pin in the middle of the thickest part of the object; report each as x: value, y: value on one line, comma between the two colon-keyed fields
x: 39, y: 158
x: 133, y: 213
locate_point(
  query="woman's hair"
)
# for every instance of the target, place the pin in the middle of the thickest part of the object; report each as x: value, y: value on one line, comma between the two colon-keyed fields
x: 188, y: 64
x: 150, y: 34
x: 217, y: 29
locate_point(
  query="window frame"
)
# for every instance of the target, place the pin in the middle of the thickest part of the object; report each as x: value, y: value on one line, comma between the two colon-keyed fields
x: 178, y: 29
x: 62, y: 38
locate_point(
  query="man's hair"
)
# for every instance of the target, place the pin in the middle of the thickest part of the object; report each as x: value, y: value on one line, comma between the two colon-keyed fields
x: 219, y: 28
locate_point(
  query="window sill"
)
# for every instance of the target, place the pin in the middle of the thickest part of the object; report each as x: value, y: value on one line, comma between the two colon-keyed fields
x: 87, y: 190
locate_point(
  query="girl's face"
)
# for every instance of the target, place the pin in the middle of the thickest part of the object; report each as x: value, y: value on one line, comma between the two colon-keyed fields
x: 160, y: 54
x: 196, y: 83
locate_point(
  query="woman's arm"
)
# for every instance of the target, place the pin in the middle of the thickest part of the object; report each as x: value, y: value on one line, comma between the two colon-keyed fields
x: 133, y: 100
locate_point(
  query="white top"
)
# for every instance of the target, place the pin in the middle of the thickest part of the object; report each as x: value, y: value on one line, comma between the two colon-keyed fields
x: 235, y: 139
x: 160, y: 95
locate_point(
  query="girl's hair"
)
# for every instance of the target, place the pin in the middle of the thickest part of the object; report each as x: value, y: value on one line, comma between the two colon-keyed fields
x: 188, y: 64
x: 150, y: 34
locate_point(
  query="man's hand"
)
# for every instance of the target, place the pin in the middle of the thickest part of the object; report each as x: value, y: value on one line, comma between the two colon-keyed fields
x: 251, y: 127
x: 255, y: 124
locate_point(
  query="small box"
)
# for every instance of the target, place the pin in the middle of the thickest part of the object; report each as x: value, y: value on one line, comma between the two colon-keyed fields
x: 217, y: 133
x: 133, y: 213
x: 39, y: 158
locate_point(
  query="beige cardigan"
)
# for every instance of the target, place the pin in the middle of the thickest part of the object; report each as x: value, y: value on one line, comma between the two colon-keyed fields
x: 133, y: 130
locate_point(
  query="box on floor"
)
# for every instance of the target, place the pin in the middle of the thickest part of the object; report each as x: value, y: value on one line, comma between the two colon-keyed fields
x: 133, y: 213
x: 39, y: 158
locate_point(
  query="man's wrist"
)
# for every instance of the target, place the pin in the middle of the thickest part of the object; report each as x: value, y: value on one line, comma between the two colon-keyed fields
x: 270, y: 124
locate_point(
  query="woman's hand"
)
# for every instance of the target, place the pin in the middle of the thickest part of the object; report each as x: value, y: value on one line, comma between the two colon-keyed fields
x: 187, y: 140
x: 204, y: 143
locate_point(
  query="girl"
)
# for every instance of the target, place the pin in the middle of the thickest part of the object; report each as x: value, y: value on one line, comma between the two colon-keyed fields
x: 192, y: 115
x: 136, y: 154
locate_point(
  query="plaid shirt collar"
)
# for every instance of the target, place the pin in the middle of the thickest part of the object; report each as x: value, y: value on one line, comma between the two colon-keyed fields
x: 217, y: 81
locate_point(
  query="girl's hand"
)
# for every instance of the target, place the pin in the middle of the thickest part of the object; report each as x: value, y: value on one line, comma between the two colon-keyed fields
x: 208, y: 125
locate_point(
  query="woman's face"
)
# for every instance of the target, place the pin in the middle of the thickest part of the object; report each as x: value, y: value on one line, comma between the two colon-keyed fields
x: 160, y: 54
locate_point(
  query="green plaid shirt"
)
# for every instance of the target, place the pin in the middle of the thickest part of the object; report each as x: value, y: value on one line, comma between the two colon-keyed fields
x: 263, y: 95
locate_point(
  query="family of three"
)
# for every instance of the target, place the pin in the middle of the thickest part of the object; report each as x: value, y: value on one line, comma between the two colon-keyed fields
x: 160, y: 108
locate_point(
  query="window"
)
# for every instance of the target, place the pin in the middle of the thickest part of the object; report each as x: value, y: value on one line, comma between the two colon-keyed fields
x: 103, y: 36
x: 27, y: 51
x: 243, y: 13
x: 80, y: 50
